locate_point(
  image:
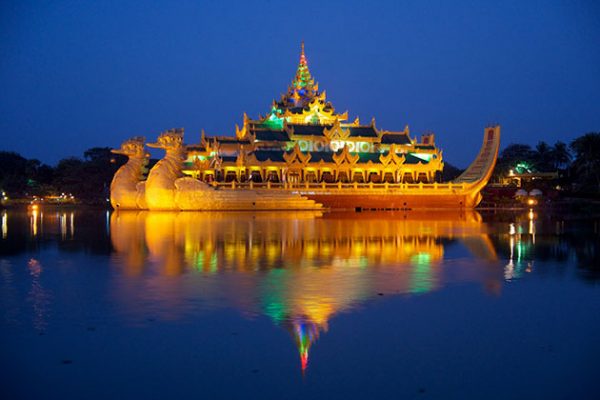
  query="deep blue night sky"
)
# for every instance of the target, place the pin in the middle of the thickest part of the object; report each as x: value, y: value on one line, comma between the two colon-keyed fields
x: 75, y: 75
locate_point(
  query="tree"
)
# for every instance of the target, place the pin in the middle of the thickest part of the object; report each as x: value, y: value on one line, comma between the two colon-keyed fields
x: 515, y: 156
x: 586, y: 167
x: 100, y: 166
x: 543, y: 157
x: 561, y: 155
x: 13, y: 173
x: 69, y: 176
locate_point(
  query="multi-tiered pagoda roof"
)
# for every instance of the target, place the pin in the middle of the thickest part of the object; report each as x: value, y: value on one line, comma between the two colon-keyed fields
x: 303, y: 133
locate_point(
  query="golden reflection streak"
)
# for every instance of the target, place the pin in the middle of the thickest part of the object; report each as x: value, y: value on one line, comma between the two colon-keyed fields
x: 33, y: 220
x: 63, y: 225
x: 4, y: 224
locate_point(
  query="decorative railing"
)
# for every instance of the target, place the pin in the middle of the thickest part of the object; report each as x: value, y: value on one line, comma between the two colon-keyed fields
x: 314, y: 186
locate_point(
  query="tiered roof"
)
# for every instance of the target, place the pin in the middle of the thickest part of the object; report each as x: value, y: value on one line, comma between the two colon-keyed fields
x: 303, y: 113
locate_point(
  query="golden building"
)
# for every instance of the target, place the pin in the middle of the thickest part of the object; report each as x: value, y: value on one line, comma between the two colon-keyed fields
x: 303, y: 139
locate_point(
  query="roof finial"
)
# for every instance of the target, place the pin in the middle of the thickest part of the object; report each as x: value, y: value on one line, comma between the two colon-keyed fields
x: 302, y: 54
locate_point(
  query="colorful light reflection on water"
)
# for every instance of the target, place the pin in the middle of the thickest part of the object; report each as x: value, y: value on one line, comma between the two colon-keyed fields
x: 141, y: 274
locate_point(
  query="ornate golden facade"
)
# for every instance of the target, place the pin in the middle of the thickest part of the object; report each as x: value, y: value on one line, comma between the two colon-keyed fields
x: 303, y: 139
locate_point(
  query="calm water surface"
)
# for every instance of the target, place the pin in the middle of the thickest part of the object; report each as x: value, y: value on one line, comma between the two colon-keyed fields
x: 97, y: 305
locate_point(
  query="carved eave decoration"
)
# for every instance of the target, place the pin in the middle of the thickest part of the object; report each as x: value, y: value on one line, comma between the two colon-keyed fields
x: 345, y: 157
x: 336, y: 132
x: 214, y: 146
x: 201, y: 165
x: 241, y: 133
x: 407, y: 132
x: 437, y: 163
x: 252, y: 136
x: 296, y: 97
x: 399, y: 158
x: 393, y: 158
x: 287, y: 115
x: 385, y: 159
x: 296, y: 156
x: 321, y: 96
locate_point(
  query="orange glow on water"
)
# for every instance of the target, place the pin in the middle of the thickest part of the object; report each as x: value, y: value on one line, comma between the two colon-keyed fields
x: 299, y: 269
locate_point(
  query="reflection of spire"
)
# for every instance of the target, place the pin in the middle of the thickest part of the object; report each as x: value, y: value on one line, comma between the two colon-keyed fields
x: 302, y: 320
x: 305, y: 334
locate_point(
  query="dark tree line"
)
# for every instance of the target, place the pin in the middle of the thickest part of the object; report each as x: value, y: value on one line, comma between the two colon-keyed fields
x: 578, y: 163
x: 87, y: 178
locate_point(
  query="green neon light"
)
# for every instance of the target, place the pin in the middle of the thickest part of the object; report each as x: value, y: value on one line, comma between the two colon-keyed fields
x: 523, y: 167
x: 422, y: 156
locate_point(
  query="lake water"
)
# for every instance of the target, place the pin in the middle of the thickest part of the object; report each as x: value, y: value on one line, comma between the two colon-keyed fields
x: 98, y: 305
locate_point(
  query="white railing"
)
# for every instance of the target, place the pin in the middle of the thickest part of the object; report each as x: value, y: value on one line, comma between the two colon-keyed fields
x: 314, y: 186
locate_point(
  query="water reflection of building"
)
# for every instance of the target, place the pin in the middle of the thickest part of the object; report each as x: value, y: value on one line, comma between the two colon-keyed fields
x: 299, y: 269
